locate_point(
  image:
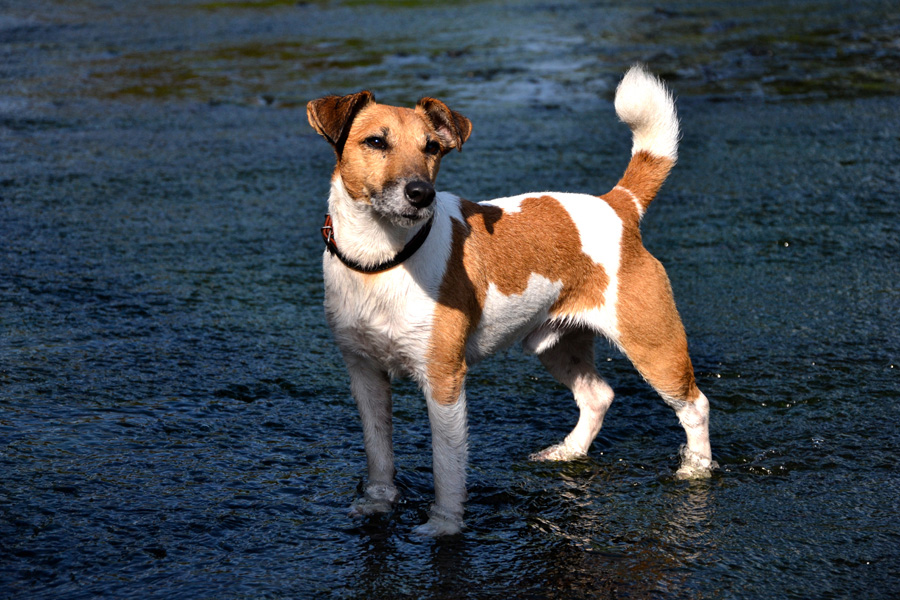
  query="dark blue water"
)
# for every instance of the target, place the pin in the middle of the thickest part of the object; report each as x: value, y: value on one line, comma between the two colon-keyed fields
x: 175, y: 421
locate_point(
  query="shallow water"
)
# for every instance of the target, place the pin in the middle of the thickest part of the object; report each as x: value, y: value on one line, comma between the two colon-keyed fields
x: 175, y: 421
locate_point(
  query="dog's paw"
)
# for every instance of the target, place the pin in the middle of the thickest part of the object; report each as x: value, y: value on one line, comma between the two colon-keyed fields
x: 695, y: 466
x: 557, y: 452
x: 366, y: 507
x: 440, y: 523
x: 378, y: 499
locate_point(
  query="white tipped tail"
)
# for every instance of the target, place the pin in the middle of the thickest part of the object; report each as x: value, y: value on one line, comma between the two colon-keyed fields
x: 647, y: 107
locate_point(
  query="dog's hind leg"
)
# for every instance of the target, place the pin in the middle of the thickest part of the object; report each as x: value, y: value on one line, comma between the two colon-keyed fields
x: 653, y: 338
x: 571, y: 362
x: 371, y: 388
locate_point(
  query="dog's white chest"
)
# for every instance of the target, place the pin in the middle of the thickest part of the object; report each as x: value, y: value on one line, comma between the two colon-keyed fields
x: 387, y: 318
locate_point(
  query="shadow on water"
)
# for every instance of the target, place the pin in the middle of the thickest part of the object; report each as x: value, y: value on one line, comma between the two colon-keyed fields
x: 175, y: 421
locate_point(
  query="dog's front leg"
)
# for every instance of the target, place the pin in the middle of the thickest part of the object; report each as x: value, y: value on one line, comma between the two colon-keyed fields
x: 371, y: 388
x: 447, y: 414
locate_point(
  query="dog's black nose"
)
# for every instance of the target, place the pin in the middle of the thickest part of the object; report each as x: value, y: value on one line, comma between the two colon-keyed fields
x: 419, y: 193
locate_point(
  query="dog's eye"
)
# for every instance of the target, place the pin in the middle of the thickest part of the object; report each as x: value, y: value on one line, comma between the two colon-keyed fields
x: 432, y: 147
x: 376, y: 142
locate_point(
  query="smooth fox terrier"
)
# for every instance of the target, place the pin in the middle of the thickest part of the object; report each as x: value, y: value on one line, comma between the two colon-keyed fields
x: 424, y: 284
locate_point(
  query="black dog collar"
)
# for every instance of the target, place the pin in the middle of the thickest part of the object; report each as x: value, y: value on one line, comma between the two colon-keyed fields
x: 408, y: 250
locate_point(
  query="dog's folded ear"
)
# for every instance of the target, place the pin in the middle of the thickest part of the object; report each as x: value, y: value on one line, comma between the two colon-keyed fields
x: 453, y: 128
x: 332, y: 116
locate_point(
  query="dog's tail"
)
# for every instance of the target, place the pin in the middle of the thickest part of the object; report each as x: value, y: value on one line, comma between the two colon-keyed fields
x: 647, y: 107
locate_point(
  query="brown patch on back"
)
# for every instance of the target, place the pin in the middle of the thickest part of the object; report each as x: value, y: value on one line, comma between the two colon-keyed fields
x: 505, y: 249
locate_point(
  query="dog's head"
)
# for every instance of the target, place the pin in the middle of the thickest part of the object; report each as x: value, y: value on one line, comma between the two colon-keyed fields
x: 387, y: 156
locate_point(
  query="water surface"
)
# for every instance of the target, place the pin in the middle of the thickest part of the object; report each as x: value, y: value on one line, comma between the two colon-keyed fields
x: 175, y: 420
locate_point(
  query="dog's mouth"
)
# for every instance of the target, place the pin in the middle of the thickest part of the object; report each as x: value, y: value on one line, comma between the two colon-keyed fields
x: 410, y: 218
x: 393, y: 205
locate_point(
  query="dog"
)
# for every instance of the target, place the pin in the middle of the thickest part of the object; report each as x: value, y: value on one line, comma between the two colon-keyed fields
x: 424, y: 284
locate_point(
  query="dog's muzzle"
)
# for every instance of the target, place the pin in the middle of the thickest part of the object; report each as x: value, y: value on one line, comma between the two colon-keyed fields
x: 419, y: 193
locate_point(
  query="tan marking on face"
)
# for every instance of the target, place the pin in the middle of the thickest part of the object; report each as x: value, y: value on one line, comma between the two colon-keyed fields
x: 505, y: 249
x: 367, y: 171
